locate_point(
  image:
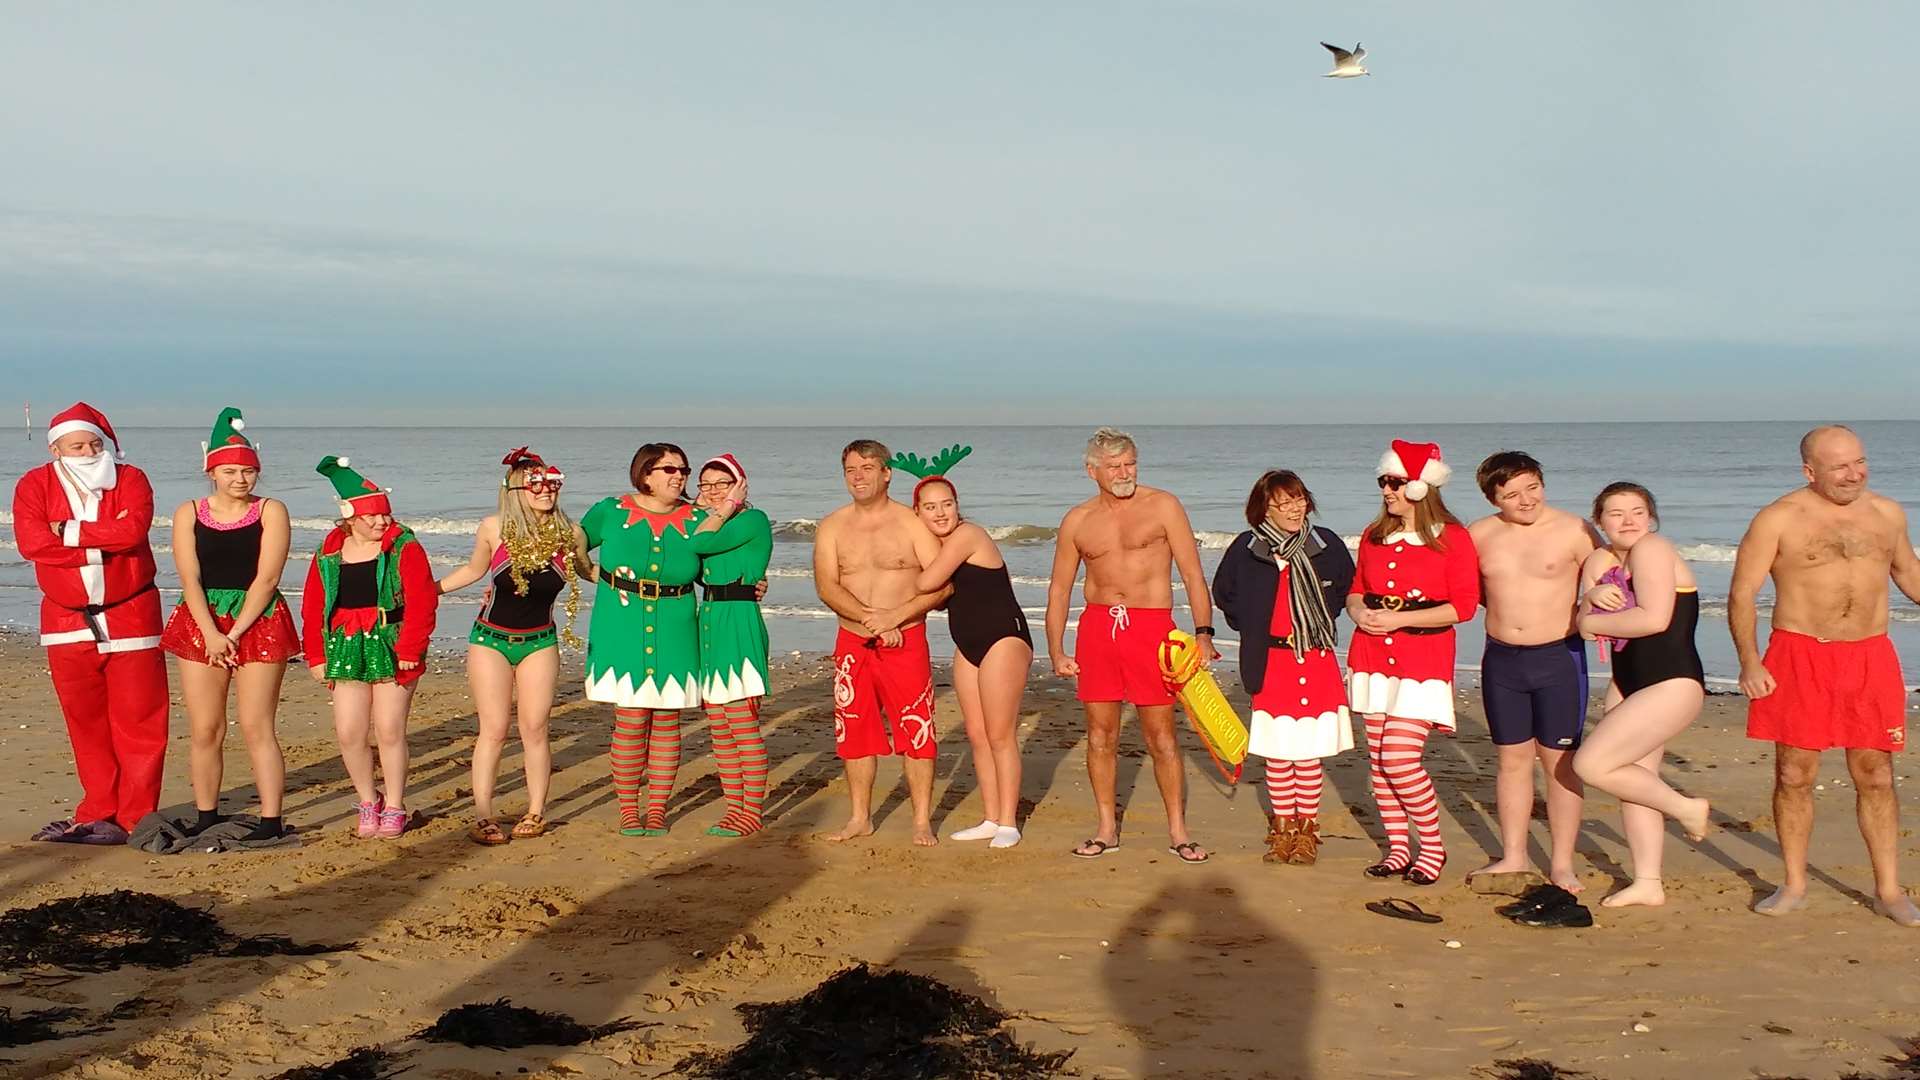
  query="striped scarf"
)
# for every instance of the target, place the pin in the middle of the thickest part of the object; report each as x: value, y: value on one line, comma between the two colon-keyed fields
x: 1312, y: 624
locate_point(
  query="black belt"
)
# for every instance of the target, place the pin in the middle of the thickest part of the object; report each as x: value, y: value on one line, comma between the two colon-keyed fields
x: 92, y: 612
x: 1379, y: 602
x: 646, y: 588
x: 736, y: 591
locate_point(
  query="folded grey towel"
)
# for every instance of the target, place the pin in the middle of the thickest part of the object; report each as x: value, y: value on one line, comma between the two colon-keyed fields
x: 164, y: 832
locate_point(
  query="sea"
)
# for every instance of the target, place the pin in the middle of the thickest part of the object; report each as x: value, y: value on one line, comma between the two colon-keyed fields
x: 1709, y: 479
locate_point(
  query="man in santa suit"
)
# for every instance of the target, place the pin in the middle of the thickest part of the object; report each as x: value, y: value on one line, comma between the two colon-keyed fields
x: 82, y: 520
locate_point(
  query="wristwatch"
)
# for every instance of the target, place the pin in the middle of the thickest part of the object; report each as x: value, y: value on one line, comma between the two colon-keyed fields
x: 1207, y: 630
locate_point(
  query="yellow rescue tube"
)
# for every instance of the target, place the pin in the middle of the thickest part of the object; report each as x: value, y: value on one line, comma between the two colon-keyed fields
x: 1219, y: 726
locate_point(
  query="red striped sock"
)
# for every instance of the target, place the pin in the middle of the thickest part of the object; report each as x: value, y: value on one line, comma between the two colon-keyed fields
x: 1393, y: 816
x: 751, y: 750
x: 663, y: 764
x: 629, y: 762
x: 1280, y: 795
x: 726, y: 759
x: 1308, y: 780
x: 1403, y: 743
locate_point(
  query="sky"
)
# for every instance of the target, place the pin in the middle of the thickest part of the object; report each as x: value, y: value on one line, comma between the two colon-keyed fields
x: 1025, y: 212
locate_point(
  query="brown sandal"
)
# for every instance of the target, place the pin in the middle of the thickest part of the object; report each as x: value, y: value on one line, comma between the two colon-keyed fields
x: 486, y: 832
x: 1306, y: 843
x: 529, y: 827
x: 1280, y: 840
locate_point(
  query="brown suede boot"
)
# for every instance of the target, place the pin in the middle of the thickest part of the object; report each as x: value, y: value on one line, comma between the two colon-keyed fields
x: 1306, y: 843
x: 1280, y: 840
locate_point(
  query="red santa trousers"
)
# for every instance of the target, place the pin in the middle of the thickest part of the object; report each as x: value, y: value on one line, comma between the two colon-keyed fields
x: 116, y: 709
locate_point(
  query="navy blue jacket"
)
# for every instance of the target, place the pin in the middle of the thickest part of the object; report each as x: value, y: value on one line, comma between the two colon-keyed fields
x: 1245, y: 583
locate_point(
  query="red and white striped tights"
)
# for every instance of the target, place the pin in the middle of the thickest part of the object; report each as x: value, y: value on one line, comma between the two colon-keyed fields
x: 741, y: 757
x: 646, y: 746
x: 1293, y: 788
x: 1403, y: 792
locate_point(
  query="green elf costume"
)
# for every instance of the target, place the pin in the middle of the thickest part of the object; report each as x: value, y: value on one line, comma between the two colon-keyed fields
x: 643, y: 645
x: 733, y: 658
x: 362, y: 619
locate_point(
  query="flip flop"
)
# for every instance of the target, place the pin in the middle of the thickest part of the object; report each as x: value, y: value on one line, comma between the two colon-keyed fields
x: 1186, y: 851
x: 1100, y: 847
x: 1504, y: 882
x: 1396, y: 908
x: 54, y: 832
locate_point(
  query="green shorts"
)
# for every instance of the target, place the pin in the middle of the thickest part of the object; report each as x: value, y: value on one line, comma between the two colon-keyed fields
x: 513, y: 644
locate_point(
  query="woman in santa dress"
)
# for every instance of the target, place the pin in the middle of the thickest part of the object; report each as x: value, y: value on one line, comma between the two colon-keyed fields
x: 1418, y: 575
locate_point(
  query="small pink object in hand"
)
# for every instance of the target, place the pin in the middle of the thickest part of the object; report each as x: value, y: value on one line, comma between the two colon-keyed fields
x: 1616, y: 576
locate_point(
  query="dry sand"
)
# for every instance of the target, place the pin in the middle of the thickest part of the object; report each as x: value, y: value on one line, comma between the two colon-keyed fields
x: 1141, y: 965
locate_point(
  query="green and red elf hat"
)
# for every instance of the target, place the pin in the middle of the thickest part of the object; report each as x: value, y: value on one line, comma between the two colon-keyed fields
x: 358, y: 495
x: 930, y: 470
x: 226, y: 446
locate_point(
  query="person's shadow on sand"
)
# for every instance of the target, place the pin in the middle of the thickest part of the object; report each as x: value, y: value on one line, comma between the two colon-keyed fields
x: 1185, y: 969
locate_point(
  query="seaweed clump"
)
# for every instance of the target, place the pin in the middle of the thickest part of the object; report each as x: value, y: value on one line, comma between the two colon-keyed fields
x: 502, y: 1025
x: 103, y: 931
x: 365, y: 1063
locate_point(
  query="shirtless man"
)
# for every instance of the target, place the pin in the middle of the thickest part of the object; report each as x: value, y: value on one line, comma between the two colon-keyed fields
x: 866, y: 556
x: 1129, y: 536
x: 1533, y: 677
x: 1830, y: 677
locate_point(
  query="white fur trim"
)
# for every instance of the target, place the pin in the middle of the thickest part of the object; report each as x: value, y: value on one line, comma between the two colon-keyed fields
x: 735, y: 685
x: 1436, y: 472
x: 238, y: 424
x: 68, y: 427
x: 1417, y: 490
x: 1390, y: 465
x: 345, y: 462
x: 649, y: 694
x: 346, y: 509
x: 111, y: 645
x: 70, y: 534
x: 1302, y: 738
x: 1430, y: 699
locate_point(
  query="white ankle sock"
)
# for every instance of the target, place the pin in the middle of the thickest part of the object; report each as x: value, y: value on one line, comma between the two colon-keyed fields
x: 1005, y: 836
x: 986, y: 830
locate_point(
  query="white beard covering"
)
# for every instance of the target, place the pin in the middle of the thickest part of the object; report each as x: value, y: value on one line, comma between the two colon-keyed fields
x: 93, y: 474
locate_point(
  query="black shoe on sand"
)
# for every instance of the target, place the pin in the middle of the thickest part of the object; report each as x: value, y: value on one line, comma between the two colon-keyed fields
x: 1534, y: 900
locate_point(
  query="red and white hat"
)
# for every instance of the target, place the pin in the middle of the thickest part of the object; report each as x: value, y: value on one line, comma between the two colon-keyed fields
x: 727, y: 462
x: 82, y: 417
x: 1418, y: 464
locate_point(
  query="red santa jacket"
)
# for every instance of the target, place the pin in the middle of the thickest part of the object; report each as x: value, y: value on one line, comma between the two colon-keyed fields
x: 91, y: 558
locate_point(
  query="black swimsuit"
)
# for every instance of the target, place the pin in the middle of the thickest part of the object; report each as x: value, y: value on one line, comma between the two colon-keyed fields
x: 1669, y: 654
x: 983, y: 610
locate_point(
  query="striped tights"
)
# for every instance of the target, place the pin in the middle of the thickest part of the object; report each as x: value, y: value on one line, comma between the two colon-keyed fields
x: 741, y: 756
x: 646, y: 749
x: 1293, y: 788
x: 1404, y: 792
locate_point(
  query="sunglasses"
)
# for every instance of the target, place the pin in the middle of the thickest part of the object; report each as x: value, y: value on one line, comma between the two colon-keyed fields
x: 673, y: 470
x: 1390, y: 483
x: 550, y: 480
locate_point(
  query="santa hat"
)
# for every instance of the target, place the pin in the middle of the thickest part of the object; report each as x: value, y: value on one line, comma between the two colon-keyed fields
x: 82, y: 417
x: 726, y: 462
x: 1418, y: 464
x: 358, y: 495
x: 226, y: 446
x: 521, y: 457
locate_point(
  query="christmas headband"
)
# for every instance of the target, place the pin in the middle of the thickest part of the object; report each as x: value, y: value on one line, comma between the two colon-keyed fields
x: 930, y: 470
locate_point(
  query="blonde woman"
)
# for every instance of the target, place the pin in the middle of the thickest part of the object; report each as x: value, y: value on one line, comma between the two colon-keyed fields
x: 530, y: 552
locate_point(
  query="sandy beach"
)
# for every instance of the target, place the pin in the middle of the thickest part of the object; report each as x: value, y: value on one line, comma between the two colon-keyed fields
x: 1140, y: 965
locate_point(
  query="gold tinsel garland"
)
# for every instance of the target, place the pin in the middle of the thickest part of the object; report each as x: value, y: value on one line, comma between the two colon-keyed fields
x: 526, y: 554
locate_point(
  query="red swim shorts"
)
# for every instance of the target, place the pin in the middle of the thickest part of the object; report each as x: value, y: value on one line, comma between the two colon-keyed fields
x: 1118, y: 650
x: 1831, y: 694
x: 874, y: 687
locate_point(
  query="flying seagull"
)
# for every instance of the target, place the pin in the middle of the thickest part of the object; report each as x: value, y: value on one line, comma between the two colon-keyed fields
x: 1346, y: 64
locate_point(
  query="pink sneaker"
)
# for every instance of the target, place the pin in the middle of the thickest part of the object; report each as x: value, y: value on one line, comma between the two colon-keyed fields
x: 370, y: 817
x: 392, y: 823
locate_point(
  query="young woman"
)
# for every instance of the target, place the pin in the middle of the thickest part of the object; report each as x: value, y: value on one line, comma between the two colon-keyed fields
x: 369, y: 610
x: 643, y: 651
x: 733, y: 642
x: 1658, y: 683
x: 1282, y: 584
x: 232, y: 628
x: 992, y: 650
x: 529, y: 551
x: 1418, y: 575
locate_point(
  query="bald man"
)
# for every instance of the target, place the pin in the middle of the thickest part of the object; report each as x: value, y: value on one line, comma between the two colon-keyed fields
x: 1830, y: 678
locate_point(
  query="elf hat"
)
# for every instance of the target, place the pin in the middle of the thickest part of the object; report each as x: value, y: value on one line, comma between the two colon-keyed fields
x: 358, y: 495
x: 226, y: 446
x: 83, y: 417
x: 1417, y: 463
x: 727, y: 463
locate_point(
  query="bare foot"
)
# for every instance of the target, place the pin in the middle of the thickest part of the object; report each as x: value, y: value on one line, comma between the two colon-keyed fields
x: 1504, y: 865
x: 1782, y: 902
x: 1901, y: 911
x: 1646, y: 892
x: 1697, y: 820
x: 1567, y: 879
x: 922, y: 834
x: 852, y: 830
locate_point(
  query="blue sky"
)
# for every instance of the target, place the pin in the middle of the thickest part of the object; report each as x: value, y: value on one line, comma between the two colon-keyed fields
x: 1022, y: 212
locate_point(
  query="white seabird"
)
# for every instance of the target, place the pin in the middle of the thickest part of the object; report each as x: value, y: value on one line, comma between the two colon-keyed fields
x: 1346, y: 64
